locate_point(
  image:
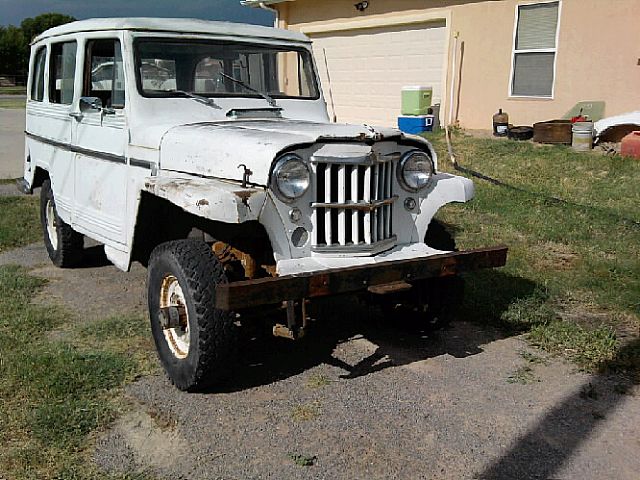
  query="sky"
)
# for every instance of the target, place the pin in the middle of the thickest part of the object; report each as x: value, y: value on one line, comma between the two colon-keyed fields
x: 12, y: 12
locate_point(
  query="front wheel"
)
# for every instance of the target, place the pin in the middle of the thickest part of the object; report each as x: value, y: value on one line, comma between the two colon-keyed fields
x: 195, y: 341
x: 64, y: 245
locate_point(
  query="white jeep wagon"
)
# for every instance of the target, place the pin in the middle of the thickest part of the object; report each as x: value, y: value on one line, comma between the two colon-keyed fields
x: 204, y: 151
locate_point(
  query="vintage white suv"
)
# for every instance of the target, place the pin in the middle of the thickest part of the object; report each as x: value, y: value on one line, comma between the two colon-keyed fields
x: 204, y: 151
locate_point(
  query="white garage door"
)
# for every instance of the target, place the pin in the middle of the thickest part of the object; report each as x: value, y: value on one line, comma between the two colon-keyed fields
x: 369, y: 67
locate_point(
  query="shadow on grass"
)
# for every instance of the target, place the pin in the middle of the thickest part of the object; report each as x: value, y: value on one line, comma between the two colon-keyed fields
x: 542, y: 452
x: 265, y: 359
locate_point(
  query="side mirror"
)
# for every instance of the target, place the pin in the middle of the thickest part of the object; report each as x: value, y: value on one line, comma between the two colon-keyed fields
x: 90, y: 103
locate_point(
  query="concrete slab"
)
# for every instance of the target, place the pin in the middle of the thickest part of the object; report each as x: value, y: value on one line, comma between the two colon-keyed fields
x: 12, y: 123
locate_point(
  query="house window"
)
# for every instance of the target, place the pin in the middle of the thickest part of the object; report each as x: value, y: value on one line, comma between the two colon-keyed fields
x: 535, y: 47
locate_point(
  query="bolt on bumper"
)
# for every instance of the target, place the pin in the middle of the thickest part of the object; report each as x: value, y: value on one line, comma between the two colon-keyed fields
x: 274, y: 290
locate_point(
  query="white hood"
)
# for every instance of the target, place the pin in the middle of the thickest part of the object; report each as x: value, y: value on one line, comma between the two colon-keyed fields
x: 217, y: 149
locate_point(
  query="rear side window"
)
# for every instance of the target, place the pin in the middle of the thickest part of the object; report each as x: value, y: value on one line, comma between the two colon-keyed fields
x: 37, y: 75
x: 62, y: 69
x: 103, y: 74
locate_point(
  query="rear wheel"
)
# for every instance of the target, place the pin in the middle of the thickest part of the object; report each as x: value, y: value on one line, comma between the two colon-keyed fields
x: 64, y: 245
x: 195, y: 341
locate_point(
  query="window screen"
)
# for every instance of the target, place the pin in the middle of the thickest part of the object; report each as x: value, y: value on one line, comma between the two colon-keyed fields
x: 37, y: 75
x: 535, y: 50
x: 104, y: 75
x: 62, y: 72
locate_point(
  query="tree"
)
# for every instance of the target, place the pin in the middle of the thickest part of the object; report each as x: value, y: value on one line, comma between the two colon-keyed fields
x: 14, y: 41
x: 13, y: 51
x: 31, y: 27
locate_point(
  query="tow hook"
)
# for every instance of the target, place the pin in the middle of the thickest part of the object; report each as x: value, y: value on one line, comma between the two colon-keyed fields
x: 293, y: 330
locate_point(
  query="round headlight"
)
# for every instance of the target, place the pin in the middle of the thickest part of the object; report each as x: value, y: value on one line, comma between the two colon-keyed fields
x: 416, y: 170
x: 290, y: 178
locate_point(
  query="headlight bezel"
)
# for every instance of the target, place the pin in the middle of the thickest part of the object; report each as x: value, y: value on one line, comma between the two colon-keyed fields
x: 274, y: 183
x: 401, y: 170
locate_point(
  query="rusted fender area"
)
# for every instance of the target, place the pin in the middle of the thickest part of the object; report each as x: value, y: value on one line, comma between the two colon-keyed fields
x: 210, y: 198
x: 272, y: 290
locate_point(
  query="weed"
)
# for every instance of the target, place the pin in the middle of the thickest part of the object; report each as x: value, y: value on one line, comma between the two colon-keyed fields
x: 523, y: 375
x: 533, y: 359
x: 318, y: 380
x: 303, y: 460
x: 305, y: 412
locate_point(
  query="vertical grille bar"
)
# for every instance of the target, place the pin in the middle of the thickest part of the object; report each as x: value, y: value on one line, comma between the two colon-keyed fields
x: 355, y: 230
x: 342, y: 186
x: 327, y: 211
x: 387, y: 209
x: 367, y: 198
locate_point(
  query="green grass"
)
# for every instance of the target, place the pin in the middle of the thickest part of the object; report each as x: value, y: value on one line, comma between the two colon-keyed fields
x: 13, y: 90
x: 57, y: 390
x: 572, y: 280
x: 12, y: 103
x: 20, y: 221
x: 523, y: 375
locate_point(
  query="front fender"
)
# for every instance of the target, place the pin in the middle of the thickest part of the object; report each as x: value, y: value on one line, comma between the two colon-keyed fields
x: 209, y: 198
x: 448, y: 188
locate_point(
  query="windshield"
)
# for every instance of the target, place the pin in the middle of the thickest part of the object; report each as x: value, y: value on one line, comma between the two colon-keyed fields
x: 166, y: 67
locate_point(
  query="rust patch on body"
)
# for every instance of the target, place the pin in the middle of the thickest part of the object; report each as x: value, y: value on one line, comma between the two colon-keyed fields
x: 202, y: 202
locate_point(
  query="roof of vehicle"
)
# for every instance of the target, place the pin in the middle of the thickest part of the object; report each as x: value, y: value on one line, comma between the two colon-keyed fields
x: 173, y: 25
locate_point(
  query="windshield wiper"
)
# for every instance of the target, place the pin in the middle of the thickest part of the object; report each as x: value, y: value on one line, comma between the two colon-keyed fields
x: 195, y: 96
x: 266, y: 96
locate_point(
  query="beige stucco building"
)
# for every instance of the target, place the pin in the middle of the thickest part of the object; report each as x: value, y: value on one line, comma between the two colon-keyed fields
x: 533, y: 59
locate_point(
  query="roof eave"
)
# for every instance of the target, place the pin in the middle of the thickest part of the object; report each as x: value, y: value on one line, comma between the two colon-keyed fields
x: 256, y: 3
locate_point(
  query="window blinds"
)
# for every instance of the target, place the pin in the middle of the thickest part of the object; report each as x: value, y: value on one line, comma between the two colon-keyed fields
x: 537, y: 26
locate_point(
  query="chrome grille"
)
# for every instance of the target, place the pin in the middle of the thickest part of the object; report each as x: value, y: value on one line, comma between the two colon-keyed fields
x: 353, y: 211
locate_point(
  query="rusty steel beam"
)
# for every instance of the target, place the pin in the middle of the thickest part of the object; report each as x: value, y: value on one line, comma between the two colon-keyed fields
x: 273, y: 290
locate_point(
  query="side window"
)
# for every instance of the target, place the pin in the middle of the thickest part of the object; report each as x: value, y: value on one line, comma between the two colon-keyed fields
x: 37, y: 75
x: 103, y: 74
x: 62, y: 69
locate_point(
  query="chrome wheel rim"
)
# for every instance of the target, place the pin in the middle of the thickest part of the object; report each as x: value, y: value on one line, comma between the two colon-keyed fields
x: 177, y: 338
x: 51, y: 225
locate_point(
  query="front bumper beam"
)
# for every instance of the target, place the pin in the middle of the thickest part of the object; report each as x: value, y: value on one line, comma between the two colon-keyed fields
x: 274, y: 290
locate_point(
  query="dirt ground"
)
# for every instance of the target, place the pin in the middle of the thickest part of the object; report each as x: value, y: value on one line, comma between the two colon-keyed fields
x: 360, y: 398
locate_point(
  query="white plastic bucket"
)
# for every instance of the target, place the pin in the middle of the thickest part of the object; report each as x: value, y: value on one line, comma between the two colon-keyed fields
x: 582, y: 136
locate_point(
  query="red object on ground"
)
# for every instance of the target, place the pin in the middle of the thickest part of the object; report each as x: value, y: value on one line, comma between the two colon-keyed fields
x: 631, y: 145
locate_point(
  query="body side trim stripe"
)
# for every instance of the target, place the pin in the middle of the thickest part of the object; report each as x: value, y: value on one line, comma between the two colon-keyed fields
x: 110, y: 157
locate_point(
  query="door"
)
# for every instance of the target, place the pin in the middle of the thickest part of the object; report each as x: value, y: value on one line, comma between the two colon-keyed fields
x: 49, y: 124
x: 100, y: 138
x: 369, y: 67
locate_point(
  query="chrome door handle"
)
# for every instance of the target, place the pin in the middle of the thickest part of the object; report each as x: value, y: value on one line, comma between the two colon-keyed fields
x: 77, y: 115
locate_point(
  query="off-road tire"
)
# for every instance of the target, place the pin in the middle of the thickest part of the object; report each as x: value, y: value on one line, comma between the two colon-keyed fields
x: 212, y: 333
x: 69, y: 244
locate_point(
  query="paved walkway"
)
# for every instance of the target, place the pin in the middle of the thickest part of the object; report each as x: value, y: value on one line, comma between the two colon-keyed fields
x: 11, y: 142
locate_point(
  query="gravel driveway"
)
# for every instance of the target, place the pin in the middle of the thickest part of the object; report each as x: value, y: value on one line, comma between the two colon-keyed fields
x: 360, y: 398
